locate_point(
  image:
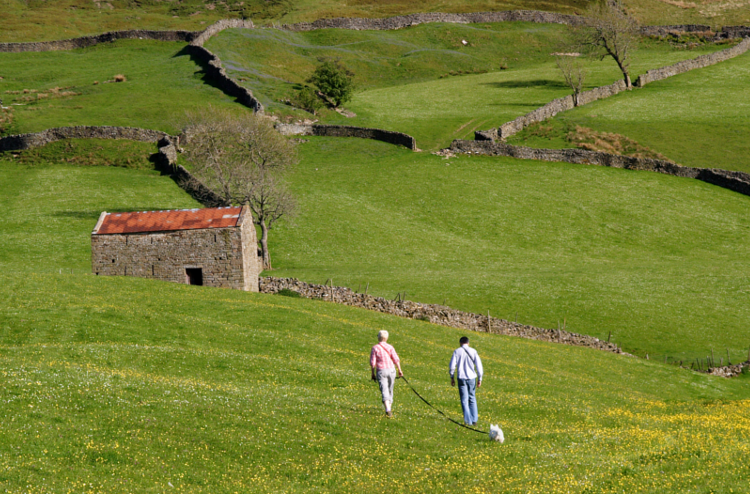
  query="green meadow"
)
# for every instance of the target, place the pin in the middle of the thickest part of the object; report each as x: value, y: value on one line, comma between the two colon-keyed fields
x: 423, y: 80
x: 699, y: 118
x: 37, y: 20
x: 114, y: 384
x: 653, y: 259
x: 55, y: 89
x: 108, y: 388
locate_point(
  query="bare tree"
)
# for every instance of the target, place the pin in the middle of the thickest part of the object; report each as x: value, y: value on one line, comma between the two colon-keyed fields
x: 609, y: 32
x: 574, y: 73
x: 270, y: 201
x: 242, y: 158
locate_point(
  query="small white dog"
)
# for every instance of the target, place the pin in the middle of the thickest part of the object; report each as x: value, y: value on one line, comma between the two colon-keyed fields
x: 496, y: 434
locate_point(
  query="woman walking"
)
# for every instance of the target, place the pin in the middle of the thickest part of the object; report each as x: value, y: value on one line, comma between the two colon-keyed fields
x: 384, y: 361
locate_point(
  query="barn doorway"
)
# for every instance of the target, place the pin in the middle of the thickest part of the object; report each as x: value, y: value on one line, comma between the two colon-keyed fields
x: 194, y: 276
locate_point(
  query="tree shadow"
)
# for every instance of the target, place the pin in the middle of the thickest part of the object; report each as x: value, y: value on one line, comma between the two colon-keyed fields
x: 538, y: 83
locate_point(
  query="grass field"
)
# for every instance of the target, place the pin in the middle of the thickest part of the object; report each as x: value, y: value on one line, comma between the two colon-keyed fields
x: 404, y: 77
x: 68, y: 200
x: 54, y: 89
x: 35, y: 20
x: 116, y: 384
x: 699, y: 118
x: 107, y: 388
x: 656, y: 260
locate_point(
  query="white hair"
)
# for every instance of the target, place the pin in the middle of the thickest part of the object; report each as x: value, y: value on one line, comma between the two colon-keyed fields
x: 382, y: 335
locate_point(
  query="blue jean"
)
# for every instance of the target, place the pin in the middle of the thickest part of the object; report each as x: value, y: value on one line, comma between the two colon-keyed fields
x: 466, y: 391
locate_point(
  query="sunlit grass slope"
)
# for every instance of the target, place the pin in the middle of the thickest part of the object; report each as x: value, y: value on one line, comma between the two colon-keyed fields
x: 52, y: 209
x: 127, y: 385
x: 162, y: 84
x: 659, y: 261
x: 655, y: 260
x: 700, y: 118
x: 407, y: 79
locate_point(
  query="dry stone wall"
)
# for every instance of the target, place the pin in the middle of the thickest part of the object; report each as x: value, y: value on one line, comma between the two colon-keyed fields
x: 388, y: 136
x: 674, y: 29
x: 166, y: 162
x: 549, y: 110
x: 27, y: 141
x: 695, y: 63
x: 732, y: 32
x: 400, y: 22
x: 86, y: 41
x: 213, y: 68
x: 436, y: 314
x: 736, y: 181
x: 217, y: 27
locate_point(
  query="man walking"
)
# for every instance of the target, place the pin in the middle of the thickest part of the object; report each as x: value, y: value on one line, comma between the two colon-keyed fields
x: 383, y: 362
x: 466, y: 360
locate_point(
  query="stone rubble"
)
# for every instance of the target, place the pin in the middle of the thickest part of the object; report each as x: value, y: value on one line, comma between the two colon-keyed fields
x: 436, y: 314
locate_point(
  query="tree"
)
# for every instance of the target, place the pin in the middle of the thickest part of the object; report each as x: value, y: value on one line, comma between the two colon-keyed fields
x: 609, y: 32
x: 307, y: 99
x: 270, y: 202
x: 574, y: 73
x: 243, y: 159
x: 334, y: 81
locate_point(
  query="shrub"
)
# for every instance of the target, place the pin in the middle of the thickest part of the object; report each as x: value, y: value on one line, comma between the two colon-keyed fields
x: 334, y: 81
x: 6, y: 120
x: 307, y: 99
x: 286, y: 292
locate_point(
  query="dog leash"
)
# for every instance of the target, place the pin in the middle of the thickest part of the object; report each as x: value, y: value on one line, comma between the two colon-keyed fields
x: 438, y: 410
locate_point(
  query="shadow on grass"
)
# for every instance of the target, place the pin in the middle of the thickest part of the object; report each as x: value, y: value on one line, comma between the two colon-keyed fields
x: 78, y: 215
x: 201, y: 62
x: 94, y: 215
x: 538, y: 83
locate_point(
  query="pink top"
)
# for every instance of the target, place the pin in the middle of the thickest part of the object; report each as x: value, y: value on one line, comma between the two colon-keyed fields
x: 383, y: 356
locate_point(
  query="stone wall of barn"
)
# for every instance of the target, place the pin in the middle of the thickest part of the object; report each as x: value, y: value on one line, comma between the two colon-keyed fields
x: 227, y: 256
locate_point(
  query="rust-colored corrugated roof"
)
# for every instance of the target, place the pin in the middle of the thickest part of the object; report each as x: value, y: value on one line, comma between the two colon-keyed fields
x: 161, y: 221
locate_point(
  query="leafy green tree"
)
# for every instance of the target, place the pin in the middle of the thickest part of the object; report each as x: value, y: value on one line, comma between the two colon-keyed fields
x: 334, y: 81
x: 307, y: 98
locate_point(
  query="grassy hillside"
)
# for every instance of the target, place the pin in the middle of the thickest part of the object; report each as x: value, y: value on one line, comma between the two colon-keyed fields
x: 415, y: 80
x: 129, y: 385
x: 108, y: 388
x: 699, y: 118
x: 54, y: 89
x: 657, y: 260
x: 34, y: 20
x: 68, y: 199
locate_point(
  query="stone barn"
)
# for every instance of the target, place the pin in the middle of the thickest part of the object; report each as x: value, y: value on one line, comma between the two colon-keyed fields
x: 211, y: 247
